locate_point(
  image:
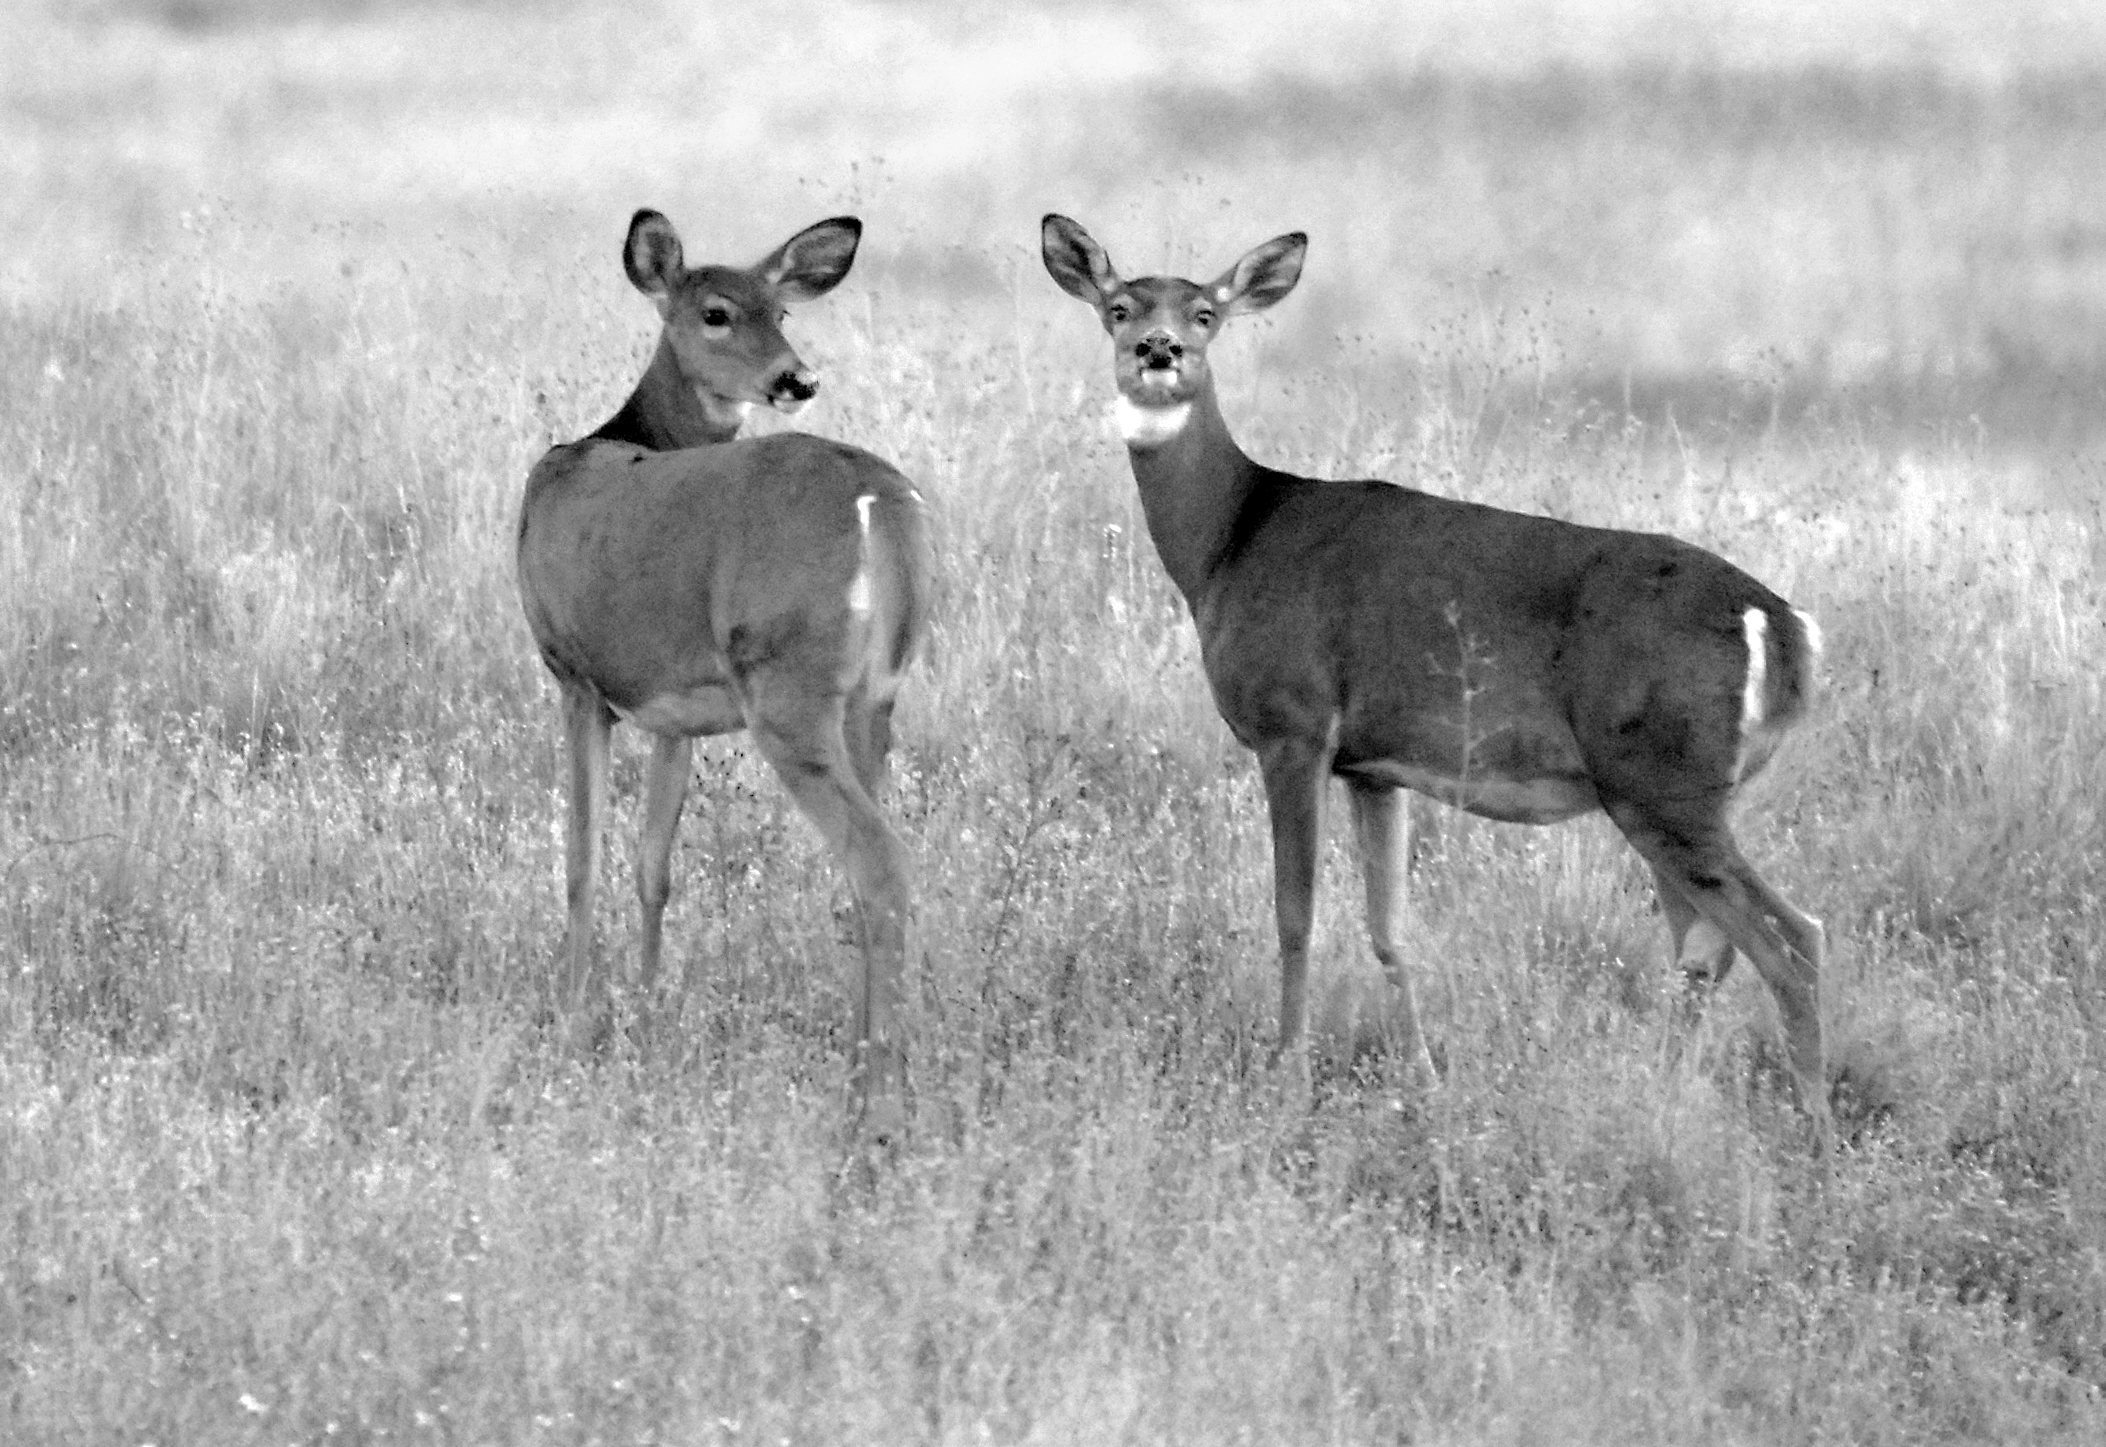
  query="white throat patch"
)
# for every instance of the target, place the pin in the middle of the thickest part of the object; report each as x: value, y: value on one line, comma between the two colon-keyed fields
x: 1149, y: 426
x: 722, y: 411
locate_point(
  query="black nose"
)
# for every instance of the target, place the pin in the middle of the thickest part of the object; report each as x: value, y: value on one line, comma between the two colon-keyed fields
x: 797, y: 386
x: 1158, y: 349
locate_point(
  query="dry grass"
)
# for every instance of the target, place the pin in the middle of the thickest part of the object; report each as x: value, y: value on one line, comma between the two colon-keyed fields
x: 287, y: 1152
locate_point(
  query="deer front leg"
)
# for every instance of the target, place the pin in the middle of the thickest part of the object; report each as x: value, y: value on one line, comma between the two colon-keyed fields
x: 1294, y: 771
x: 1382, y: 828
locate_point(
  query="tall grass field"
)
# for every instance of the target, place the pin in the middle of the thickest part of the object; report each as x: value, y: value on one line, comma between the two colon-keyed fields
x: 293, y: 1146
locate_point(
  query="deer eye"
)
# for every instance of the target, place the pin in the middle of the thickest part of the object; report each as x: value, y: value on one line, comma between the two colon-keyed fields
x: 1119, y: 311
x: 1204, y: 316
x: 715, y: 316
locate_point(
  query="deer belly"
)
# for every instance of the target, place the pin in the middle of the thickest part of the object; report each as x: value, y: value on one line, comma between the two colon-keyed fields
x: 689, y: 712
x: 1544, y: 799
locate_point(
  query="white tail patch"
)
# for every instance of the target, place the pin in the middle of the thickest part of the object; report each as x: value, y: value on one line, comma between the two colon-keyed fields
x: 1812, y: 625
x: 1755, y: 627
x: 859, y: 585
x: 1149, y: 426
x: 1756, y: 624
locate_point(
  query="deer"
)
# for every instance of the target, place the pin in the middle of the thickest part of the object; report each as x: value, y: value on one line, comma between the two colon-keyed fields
x: 692, y: 583
x: 1519, y: 667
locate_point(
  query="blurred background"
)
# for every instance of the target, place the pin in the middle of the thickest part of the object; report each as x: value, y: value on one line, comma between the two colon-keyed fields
x: 1729, y: 214
x: 294, y: 292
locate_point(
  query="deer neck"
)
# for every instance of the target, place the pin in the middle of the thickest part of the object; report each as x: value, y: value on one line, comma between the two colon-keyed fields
x: 1194, y: 484
x: 664, y: 414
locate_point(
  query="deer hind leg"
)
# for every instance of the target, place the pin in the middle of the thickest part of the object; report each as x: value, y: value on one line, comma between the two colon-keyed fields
x: 869, y: 733
x: 1294, y: 771
x: 1702, y: 951
x: 801, y: 733
x: 1785, y: 946
x: 1382, y: 827
x: 587, y: 727
x: 665, y: 789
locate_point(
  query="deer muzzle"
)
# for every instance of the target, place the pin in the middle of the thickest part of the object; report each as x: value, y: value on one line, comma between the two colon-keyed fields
x: 793, y: 388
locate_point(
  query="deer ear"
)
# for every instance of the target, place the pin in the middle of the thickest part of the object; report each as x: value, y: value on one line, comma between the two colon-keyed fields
x: 652, y: 255
x: 1264, y: 275
x: 812, y: 262
x: 1076, y: 261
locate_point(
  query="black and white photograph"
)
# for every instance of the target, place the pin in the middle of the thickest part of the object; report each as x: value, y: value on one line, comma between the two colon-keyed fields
x: 1074, y: 723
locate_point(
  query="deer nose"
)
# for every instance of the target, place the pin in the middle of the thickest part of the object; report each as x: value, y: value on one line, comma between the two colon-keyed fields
x: 799, y: 384
x: 1158, y: 349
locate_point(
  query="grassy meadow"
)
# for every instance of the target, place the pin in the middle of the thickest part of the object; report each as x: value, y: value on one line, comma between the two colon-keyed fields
x: 293, y: 295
